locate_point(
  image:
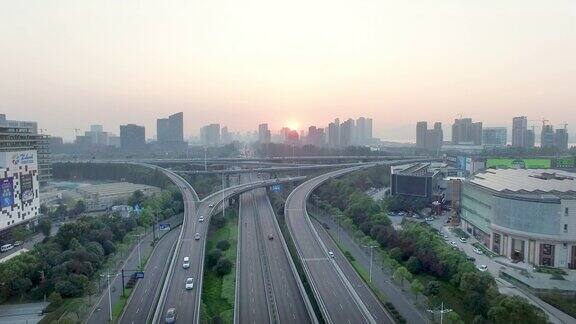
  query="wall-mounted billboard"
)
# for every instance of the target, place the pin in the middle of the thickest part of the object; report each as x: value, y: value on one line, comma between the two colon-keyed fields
x: 519, y: 163
x: 567, y: 162
x: 6, y: 192
x: 26, y: 188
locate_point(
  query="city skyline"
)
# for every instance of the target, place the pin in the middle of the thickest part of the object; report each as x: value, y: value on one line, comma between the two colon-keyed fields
x: 244, y: 64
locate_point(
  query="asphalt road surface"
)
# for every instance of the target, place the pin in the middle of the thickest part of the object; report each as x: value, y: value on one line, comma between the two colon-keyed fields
x: 268, y: 289
x: 341, y: 297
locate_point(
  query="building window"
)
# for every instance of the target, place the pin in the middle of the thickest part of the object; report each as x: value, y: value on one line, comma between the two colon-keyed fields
x: 566, y: 211
x: 565, y: 228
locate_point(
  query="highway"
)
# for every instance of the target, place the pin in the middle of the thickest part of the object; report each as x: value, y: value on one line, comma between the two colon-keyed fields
x: 341, y: 296
x: 269, y: 289
x: 174, y: 295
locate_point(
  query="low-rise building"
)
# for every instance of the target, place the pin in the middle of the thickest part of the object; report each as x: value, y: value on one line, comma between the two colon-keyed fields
x: 418, y: 180
x: 106, y: 195
x: 525, y: 215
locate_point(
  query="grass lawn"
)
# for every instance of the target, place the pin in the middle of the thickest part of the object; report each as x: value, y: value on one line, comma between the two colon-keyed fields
x: 121, y: 303
x: 218, y: 293
x: 567, y: 304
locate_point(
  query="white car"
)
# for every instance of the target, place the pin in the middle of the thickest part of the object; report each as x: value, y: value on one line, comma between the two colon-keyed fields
x: 429, y: 219
x: 201, y: 219
x: 189, y: 283
x: 331, y: 254
x: 186, y: 259
x: 463, y: 240
x: 186, y: 265
x: 197, y: 236
x: 477, y: 251
x: 211, y: 205
x: 453, y: 244
x: 482, y: 267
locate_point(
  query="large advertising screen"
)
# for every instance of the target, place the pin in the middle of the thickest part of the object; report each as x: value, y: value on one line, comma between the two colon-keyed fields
x: 6, y: 192
x: 412, y: 186
x: 26, y: 188
x: 519, y: 163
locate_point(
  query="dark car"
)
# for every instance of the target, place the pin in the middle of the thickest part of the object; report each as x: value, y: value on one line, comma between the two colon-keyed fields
x: 171, y: 315
x: 270, y: 236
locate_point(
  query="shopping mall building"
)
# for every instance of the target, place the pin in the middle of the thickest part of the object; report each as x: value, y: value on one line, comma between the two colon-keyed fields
x: 525, y: 215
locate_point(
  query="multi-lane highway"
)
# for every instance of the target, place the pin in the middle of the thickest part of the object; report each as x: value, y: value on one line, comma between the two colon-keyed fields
x: 269, y: 287
x: 341, y: 296
x: 174, y: 294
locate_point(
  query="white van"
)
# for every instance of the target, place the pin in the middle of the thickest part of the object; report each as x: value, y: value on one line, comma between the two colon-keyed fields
x: 6, y: 247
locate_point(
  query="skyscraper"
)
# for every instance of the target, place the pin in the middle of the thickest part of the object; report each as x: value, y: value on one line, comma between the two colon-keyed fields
x: 225, y: 136
x: 347, y: 133
x: 519, y: 131
x: 429, y: 139
x: 421, y: 128
x: 334, y: 134
x: 264, y: 135
x: 170, y: 130
x: 495, y: 136
x: 132, y: 137
x: 464, y: 131
x: 547, y: 136
x: 561, y: 139
x: 210, y: 135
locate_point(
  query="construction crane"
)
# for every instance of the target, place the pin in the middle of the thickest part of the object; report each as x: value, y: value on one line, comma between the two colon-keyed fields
x: 42, y: 130
x: 544, y: 121
x: 565, y: 124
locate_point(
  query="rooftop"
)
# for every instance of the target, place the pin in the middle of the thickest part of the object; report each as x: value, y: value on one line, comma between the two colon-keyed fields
x: 522, y: 181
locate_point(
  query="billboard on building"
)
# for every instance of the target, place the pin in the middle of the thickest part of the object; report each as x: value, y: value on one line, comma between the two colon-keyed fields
x: 410, y: 185
x: 6, y: 192
x: 566, y: 162
x: 26, y: 187
x: 519, y: 163
x: 15, y: 160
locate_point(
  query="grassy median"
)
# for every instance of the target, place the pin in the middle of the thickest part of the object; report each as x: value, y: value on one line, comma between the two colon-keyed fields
x: 218, y: 285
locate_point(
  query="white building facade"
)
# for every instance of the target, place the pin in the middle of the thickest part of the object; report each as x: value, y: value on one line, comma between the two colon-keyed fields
x: 19, y: 194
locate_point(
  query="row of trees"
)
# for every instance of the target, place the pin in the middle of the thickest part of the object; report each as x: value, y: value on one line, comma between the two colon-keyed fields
x: 418, y: 249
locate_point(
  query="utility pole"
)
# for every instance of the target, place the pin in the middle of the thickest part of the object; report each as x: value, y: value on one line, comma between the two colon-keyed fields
x: 371, y: 247
x: 223, y: 202
x: 107, y: 275
x: 440, y: 311
x: 139, y: 253
x: 205, y: 162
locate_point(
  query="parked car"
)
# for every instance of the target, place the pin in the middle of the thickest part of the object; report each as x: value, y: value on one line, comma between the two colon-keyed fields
x: 469, y: 258
x: 429, y: 219
x: 189, y: 283
x: 18, y: 243
x: 477, y: 251
x: 170, y: 316
x: 453, y: 244
x: 463, y: 240
x: 482, y: 267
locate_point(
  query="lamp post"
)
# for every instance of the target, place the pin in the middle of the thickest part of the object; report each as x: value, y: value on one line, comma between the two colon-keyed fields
x: 139, y: 252
x: 107, y: 275
x: 371, y: 247
x: 440, y: 311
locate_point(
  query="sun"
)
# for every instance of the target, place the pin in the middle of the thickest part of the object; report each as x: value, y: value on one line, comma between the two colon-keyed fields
x: 293, y: 125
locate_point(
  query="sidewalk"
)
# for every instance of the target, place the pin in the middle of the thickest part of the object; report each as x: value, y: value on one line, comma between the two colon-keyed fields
x: 403, y: 301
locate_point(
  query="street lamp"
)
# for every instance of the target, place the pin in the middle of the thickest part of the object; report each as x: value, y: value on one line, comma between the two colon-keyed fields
x: 371, y: 247
x: 440, y: 311
x: 107, y: 275
x: 139, y: 252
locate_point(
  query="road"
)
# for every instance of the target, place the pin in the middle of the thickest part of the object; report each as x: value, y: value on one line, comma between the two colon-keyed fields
x: 187, y: 302
x: 341, y: 296
x: 269, y: 288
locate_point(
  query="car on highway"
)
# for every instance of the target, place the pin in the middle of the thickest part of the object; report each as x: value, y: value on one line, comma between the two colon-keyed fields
x: 453, y: 244
x: 482, y: 267
x: 331, y: 254
x: 211, y: 205
x: 463, y: 240
x: 477, y: 250
x: 197, y: 236
x: 201, y: 219
x: 189, y: 283
x: 429, y: 219
x: 170, y: 316
x: 186, y: 264
x: 270, y: 236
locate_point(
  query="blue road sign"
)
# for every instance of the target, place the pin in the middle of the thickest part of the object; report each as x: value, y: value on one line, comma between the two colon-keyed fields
x: 277, y: 188
x: 164, y: 226
x: 139, y: 274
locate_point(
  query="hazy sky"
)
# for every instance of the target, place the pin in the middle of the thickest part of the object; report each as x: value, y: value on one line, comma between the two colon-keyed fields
x: 68, y: 64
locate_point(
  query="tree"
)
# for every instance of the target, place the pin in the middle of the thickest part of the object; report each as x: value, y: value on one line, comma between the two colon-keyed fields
x: 79, y: 207
x: 416, y: 287
x: 223, y: 267
x: 61, y: 211
x: 55, y: 299
x: 218, y: 220
x: 402, y: 274
x: 137, y: 198
x: 21, y: 285
x: 515, y: 309
x: 213, y: 257
x: 414, y: 265
x: 432, y: 288
x: 19, y: 233
x: 397, y: 254
x: 453, y: 318
x: 223, y: 245
x: 45, y: 226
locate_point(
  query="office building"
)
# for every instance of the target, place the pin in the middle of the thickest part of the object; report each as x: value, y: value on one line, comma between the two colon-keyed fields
x: 19, y: 194
x: 170, y: 130
x: 561, y: 139
x: 520, y: 132
x: 417, y: 180
x: 264, y: 135
x: 530, y: 138
x: 547, y: 136
x: 16, y: 135
x: 494, y: 136
x: 132, y: 137
x: 225, y: 136
x: 363, y: 133
x: 525, y: 215
x: 347, y: 133
x: 466, y: 132
x: 210, y: 135
x: 421, y: 128
x: 316, y: 136
x: 114, y: 140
